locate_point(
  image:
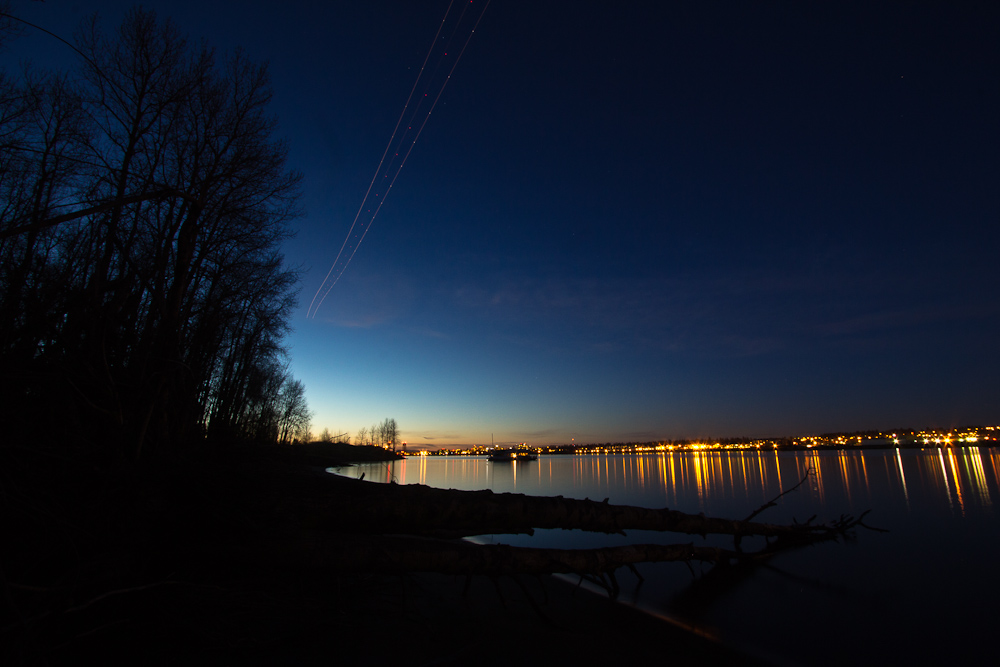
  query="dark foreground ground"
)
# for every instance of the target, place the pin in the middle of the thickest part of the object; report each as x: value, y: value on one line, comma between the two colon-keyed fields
x: 423, y: 619
x: 431, y: 619
x: 134, y: 576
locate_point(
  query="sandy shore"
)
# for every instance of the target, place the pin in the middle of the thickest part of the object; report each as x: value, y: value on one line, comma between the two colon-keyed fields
x: 430, y: 619
x: 293, y: 618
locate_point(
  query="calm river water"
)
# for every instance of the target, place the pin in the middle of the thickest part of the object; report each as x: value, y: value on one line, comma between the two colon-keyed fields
x: 923, y: 593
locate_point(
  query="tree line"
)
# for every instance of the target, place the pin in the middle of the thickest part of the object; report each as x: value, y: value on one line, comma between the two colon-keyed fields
x: 384, y: 434
x: 144, y: 197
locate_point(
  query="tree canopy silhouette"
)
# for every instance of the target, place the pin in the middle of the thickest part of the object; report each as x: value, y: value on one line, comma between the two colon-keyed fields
x: 144, y: 200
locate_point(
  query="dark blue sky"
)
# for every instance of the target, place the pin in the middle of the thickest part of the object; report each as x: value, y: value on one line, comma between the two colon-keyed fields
x: 641, y: 220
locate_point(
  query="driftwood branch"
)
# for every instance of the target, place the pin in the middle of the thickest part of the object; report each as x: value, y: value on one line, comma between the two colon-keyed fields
x: 348, y: 525
x: 774, y: 501
x: 365, y: 507
x: 394, y: 554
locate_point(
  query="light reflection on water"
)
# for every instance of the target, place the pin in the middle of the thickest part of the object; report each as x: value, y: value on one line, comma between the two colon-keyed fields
x: 717, y: 482
x: 935, y: 566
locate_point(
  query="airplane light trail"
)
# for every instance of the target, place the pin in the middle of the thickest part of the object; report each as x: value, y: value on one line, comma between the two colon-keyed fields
x: 327, y: 285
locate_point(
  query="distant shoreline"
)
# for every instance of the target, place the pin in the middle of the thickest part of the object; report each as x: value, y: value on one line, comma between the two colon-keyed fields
x: 590, y: 450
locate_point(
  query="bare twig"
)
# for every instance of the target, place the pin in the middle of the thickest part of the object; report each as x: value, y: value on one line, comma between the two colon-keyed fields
x: 774, y: 501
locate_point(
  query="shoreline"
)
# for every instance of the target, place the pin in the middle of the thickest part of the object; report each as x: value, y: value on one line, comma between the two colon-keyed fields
x: 452, y: 620
x: 172, y: 582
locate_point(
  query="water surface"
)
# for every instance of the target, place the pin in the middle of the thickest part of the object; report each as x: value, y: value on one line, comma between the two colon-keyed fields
x: 922, y: 592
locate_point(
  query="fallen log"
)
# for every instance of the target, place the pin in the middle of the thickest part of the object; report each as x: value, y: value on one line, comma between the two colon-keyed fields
x: 397, y: 554
x: 327, y: 523
x: 352, y: 506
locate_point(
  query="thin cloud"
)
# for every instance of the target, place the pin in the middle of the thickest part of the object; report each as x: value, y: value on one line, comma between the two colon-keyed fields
x: 429, y: 333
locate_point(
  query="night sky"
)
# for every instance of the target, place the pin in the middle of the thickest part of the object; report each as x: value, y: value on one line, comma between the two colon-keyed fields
x: 635, y: 221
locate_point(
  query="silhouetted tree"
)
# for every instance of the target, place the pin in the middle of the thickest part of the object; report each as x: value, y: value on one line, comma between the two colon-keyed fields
x: 389, y: 433
x: 144, y: 202
x: 294, y: 415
